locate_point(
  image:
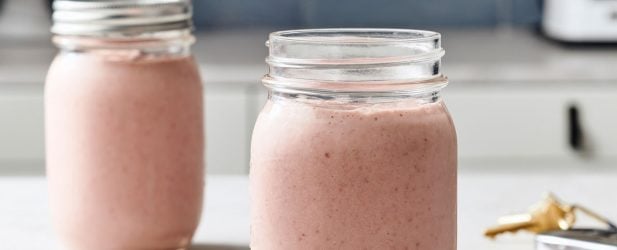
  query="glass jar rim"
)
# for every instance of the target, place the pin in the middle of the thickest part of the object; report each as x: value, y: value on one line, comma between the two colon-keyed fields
x: 387, y: 35
x: 352, y: 46
x: 357, y: 56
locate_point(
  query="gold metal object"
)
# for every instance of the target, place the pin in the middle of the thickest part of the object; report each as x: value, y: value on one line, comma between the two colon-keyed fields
x: 549, y: 214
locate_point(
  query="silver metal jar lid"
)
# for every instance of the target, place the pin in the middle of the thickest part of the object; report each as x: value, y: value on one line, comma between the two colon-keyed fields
x: 120, y: 17
x: 577, y: 239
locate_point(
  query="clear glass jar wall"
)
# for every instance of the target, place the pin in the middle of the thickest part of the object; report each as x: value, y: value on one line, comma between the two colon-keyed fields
x: 124, y: 125
x: 354, y: 148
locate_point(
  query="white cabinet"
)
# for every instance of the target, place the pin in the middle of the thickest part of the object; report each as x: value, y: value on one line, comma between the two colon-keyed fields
x: 532, y: 122
x: 21, y: 125
x: 496, y: 122
x: 598, y: 109
x: 228, y: 126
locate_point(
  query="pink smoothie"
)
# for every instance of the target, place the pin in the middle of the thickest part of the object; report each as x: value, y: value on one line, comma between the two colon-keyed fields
x: 124, y: 150
x: 342, y: 176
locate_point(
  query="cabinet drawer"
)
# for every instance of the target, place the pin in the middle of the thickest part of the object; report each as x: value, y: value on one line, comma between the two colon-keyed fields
x: 21, y: 124
x: 227, y: 130
x: 529, y: 122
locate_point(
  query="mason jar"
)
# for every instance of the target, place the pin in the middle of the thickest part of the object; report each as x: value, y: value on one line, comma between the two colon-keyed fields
x: 354, y: 148
x: 124, y: 125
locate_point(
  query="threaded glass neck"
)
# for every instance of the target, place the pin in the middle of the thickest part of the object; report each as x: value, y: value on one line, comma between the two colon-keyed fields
x: 355, y: 60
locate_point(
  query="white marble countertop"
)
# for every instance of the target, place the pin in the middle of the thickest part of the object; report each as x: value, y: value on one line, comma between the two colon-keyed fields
x: 479, y: 56
x: 483, y: 196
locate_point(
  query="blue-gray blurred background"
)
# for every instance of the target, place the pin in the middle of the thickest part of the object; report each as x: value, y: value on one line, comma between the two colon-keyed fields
x: 218, y: 14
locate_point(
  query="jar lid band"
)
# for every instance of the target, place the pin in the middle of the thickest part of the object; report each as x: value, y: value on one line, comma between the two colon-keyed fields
x: 120, y: 17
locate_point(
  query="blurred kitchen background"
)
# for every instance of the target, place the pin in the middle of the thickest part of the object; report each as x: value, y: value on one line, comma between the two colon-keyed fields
x: 520, y: 97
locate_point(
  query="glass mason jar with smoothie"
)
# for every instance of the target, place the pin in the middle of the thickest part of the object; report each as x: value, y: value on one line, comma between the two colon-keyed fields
x: 355, y: 148
x: 124, y: 125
